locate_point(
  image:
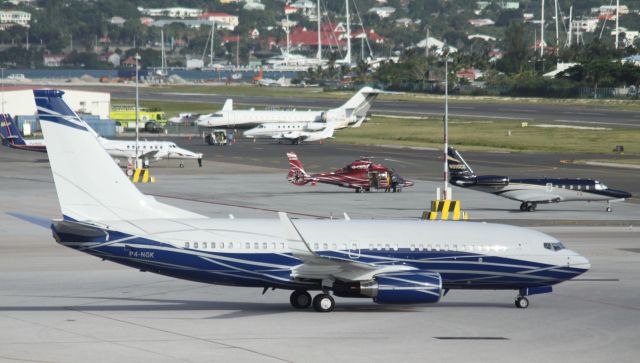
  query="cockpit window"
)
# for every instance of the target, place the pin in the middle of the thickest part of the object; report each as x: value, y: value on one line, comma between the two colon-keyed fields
x: 554, y: 246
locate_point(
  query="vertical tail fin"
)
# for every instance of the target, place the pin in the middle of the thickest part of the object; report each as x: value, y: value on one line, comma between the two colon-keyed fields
x: 228, y: 105
x: 90, y: 186
x: 358, y: 105
x: 297, y: 175
x: 9, y: 131
x: 458, y: 168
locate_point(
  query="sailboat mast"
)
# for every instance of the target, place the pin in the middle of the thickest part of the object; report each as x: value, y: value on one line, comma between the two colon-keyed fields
x: 319, y: 55
x: 348, y: 34
x: 163, y: 61
x: 213, y: 32
x: 542, y: 31
x: 617, y: 23
x: 557, y: 31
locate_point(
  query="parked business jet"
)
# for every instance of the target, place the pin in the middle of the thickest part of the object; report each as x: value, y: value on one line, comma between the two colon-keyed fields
x: 390, y: 261
x: 147, y: 150
x: 531, y: 192
x: 294, y: 132
x: 351, y: 114
x: 12, y: 137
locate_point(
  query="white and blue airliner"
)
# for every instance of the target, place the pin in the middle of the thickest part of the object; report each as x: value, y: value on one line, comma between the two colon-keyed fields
x: 389, y: 261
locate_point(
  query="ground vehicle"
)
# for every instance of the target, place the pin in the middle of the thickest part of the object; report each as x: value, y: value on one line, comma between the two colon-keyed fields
x: 218, y: 137
x: 150, y: 120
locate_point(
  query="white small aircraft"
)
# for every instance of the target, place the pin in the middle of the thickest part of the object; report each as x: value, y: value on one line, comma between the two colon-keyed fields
x: 389, y: 261
x: 294, y: 132
x: 147, y: 150
x: 351, y: 114
x: 270, y: 82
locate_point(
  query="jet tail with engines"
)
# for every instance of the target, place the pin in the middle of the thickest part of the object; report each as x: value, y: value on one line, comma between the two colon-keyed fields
x: 9, y: 131
x: 461, y: 174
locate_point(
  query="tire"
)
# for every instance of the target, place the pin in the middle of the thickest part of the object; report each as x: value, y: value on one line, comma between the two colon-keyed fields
x: 149, y: 127
x: 523, y: 207
x: 300, y: 299
x: 522, y: 302
x: 323, y: 303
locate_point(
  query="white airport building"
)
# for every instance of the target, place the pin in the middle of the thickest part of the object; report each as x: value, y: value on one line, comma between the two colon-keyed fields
x: 19, y: 101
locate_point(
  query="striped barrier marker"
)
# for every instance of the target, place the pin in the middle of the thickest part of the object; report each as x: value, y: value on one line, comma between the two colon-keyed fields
x: 142, y: 176
x: 445, y: 210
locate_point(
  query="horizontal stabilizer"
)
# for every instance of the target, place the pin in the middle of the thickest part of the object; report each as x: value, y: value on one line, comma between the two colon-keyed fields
x: 37, y: 220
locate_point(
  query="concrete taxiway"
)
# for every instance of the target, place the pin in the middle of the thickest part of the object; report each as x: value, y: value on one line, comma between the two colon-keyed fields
x: 58, y: 305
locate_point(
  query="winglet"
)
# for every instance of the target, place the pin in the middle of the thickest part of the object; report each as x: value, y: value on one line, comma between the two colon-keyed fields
x: 297, y: 243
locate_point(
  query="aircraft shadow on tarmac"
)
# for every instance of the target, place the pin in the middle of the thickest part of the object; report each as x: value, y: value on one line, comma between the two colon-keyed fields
x: 233, y: 309
x: 537, y: 212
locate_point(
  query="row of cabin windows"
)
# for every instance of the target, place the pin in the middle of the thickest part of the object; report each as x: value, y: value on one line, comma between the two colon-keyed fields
x: 456, y: 247
x: 237, y: 245
x: 354, y: 246
x: 571, y: 187
x: 151, y: 147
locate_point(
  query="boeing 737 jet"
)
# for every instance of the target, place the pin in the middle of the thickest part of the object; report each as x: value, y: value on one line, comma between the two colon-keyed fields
x: 147, y: 150
x: 351, y: 114
x: 531, y: 192
x: 389, y: 261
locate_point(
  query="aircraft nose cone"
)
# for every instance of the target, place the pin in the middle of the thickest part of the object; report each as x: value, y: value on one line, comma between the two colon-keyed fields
x: 580, y: 262
x: 620, y: 194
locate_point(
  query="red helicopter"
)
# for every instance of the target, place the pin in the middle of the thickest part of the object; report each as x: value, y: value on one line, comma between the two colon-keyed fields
x: 362, y: 175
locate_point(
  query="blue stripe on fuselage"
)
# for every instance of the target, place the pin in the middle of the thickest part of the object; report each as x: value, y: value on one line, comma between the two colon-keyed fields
x: 458, y: 269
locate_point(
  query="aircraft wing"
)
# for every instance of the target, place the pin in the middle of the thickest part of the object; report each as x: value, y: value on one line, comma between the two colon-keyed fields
x: 536, y: 196
x: 319, y: 265
x: 148, y: 154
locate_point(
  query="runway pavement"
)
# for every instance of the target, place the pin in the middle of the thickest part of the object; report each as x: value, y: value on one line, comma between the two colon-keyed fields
x: 480, y: 109
x: 58, y: 305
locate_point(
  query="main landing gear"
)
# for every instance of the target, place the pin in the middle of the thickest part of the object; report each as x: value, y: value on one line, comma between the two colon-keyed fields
x: 528, y: 206
x: 522, y: 302
x: 322, y: 303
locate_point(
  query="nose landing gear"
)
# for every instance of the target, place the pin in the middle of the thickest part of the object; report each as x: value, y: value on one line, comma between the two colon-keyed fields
x: 528, y: 206
x: 522, y: 302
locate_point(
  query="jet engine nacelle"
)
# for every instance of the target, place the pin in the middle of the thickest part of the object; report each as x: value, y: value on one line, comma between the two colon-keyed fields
x: 335, y: 115
x: 492, y: 180
x: 412, y: 287
x: 316, y: 126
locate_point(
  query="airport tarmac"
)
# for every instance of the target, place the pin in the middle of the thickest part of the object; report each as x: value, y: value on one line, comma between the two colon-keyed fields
x: 58, y: 305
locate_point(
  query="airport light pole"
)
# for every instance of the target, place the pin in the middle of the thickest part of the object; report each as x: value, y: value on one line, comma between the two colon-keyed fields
x: 138, y: 161
x: 445, y: 192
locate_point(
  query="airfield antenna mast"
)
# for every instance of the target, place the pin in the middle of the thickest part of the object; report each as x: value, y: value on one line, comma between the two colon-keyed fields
x: 138, y: 161
x: 2, y: 92
x: 445, y: 192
